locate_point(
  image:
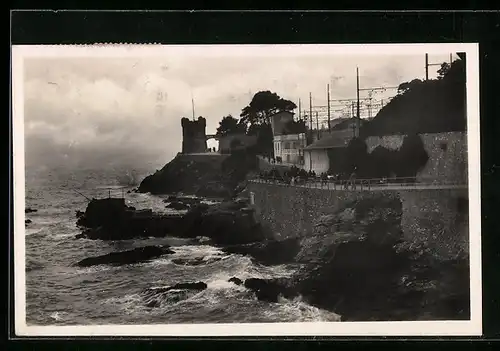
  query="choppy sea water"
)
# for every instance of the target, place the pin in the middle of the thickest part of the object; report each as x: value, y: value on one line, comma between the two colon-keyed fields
x: 59, y: 293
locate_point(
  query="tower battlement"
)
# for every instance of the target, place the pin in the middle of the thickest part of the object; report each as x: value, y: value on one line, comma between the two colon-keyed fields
x: 194, y: 137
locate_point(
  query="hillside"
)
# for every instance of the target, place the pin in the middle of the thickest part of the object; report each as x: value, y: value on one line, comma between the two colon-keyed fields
x: 436, y: 105
x: 201, y: 175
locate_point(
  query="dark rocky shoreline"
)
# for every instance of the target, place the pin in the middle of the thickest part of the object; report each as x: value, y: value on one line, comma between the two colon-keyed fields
x: 349, y: 263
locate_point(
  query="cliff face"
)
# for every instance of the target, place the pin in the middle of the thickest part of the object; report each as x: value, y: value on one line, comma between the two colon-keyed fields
x: 385, y: 255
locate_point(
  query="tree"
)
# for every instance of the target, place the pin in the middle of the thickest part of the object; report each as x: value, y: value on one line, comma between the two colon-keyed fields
x: 445, y: 67
x: 411, y: 157
x: 230, y: 125
x: 257, y: 118
x: 264, y: 133
x: 430, y: 106
x: 295, y: 127
x: 356, y: 157
x: 235, y: 143
x: 263, y: 105
x: 406, y: 86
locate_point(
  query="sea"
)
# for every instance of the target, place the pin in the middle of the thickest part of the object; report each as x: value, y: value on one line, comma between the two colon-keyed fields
x: 60, y: 293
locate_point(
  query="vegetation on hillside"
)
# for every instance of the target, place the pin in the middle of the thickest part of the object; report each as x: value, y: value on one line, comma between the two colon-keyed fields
x: 432, y: 106
x: 230, y: 125
x: 255, y: 119
x: 404, y: 162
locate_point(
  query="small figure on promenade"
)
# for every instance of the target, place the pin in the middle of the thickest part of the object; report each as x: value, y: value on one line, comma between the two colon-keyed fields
x: 352, y: 179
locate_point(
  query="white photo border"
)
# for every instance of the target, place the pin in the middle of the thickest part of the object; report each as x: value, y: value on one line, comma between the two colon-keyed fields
x: 472, y: 327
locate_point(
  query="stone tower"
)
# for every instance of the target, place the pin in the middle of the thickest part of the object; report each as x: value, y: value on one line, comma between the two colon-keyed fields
x: 279, y: 121
x: 194, y: 137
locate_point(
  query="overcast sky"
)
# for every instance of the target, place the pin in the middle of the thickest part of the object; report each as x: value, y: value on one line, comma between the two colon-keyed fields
x: 128, y: 110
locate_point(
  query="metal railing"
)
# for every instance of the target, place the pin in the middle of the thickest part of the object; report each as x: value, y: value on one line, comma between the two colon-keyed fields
x: 103, y: 193
x: 360, y: 184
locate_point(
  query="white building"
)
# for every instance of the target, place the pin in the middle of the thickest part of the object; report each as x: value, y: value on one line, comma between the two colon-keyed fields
x: 290, y: 148
x: 319, y: 156
x: 287, y: 147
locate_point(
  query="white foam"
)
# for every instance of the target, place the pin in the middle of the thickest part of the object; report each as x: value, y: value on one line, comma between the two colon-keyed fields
x: 296, y: 310
x: 57, y: 316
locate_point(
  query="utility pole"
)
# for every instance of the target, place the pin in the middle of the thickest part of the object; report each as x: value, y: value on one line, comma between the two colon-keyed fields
x: 328, y: 98
x: 370, y: 105
x: 426, y: 66
x: 354, y: 126
x: 310, y: 113
x: 357, y: 103
x: 299, y: 109
x: 192, y: 104
x: 317, y: 124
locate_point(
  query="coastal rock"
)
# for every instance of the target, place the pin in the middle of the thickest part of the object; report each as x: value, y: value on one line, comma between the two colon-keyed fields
x: 204, y: 176
x: 30, y: 210
x: 268, y: 252
x: 136, y: 255
x: 350, y: 272
x: 27, y: 221
x: 268, y: 290
x: 235, y: 280
x: 359, y: 273
x: 203, y: 240
x: 178, y: 206
x: 171, y: 294
x: 182, y: 286
x: 111, y: 219
x: 195, y: 261
x: 224, y: 224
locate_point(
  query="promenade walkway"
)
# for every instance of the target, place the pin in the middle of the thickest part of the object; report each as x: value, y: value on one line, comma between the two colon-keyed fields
x: 365, y: 186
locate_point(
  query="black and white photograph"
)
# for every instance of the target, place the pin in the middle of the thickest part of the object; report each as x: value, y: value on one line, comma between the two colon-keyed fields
x: 247, y: 190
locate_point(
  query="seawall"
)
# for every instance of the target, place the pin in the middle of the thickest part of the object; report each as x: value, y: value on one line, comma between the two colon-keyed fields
x: 433, y: 219
x: 447, y: 154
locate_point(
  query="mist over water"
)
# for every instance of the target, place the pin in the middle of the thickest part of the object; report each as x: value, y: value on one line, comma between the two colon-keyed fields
x: 57, y: 292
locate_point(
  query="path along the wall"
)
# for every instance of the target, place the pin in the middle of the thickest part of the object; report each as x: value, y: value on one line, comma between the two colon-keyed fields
x: 435, y: 217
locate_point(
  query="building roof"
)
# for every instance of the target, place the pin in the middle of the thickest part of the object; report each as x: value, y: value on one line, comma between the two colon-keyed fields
x: 333, y: 140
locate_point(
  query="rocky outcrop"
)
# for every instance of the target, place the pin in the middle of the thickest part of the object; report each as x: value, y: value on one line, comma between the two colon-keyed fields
x: 197, y: 261
x: 268, y: 290
x: 235, y: 280
x: 201, y: 175
x: 268, y: 252
x: 177, y: 205
x: 227, y: 223
x: 111, y: 219
x: 137, y: 255
x: 30, y: 210
x: 154, y: 297
x: 351, y: 264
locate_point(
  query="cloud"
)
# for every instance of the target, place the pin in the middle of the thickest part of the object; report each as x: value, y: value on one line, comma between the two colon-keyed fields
x: 128, y: 109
